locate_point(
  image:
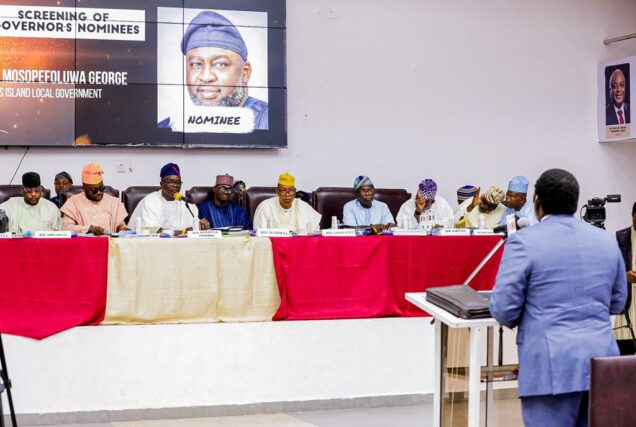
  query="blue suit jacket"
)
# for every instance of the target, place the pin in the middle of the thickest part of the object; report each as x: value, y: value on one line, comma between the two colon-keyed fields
x: 559, y: 281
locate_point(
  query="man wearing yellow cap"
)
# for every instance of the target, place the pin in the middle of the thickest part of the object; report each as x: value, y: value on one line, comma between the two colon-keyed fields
x: 93, y: 211
x: 286, y: 211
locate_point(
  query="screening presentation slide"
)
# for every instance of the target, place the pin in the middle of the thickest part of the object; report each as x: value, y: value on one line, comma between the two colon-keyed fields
x: 188, y: 73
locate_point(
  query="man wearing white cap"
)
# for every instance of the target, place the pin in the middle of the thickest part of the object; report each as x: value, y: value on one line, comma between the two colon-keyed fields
x: 516, y: 201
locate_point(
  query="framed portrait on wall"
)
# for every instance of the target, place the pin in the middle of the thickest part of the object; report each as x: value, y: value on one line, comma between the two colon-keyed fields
x: 614, y: 96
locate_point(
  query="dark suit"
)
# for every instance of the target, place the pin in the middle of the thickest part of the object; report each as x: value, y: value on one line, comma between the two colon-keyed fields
x: 624, y: 238
x: 610, y: 114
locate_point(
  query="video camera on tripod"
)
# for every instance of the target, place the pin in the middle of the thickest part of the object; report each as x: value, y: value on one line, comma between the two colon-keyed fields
x: 595, y: 209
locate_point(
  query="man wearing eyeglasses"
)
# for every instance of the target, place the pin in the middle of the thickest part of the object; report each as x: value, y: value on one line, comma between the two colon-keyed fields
x: 30, y: 212
x: 220, y: 211
x: 516, y: 201
x: 93, y: 211
x: 162, y: 211
x: 364, y: 210
x: 285, y: 211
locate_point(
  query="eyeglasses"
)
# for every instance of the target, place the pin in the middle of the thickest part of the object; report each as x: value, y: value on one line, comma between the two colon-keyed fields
x: 286, y: 191
x: 96, y: 190
x: 367, y: 191
x: 32, y: 190
x: 172, y: 182
x: 227, y: 190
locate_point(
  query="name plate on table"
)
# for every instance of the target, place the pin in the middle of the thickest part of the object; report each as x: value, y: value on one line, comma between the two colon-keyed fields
x: 139, y: 236
x: 205, y: 234
x: 406, y: 232
x: 454, y: 232
x: 7, y: 235
x: 273, y: 232
x: 483, y: 232
x: 345, y: 232
x: 63, y: 234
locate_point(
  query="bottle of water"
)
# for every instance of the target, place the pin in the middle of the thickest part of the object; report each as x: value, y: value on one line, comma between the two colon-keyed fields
x: 334, y: 222
x: 269, y: 223
x: 138, y: 226
x: 482, y: 221
x: 196, y: 225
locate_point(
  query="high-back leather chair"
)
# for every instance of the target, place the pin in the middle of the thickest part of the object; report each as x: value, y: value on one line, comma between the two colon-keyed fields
x: 394, y: 197
x: 330, y: 201
x: 255, y: 195
x: 612, y: 391
x: 8, y: 191
x: 76, y: 189
x: 133, y: 195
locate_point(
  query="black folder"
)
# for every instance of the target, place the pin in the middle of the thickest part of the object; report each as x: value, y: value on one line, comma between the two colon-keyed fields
x: 460, y: 300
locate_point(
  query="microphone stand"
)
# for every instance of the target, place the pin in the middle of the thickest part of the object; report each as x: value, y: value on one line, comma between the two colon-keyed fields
x: 484, y: 261
x: 189, y: 210
x: 481, y: 265
x: 5, y: 384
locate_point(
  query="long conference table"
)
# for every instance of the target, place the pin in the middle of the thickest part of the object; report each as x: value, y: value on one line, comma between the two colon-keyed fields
x: 50, y: 285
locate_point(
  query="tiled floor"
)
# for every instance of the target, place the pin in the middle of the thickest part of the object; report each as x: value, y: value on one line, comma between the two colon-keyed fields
x: 507, y: 413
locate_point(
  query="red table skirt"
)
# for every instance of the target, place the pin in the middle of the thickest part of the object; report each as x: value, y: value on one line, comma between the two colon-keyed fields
x: 359, y: 277
x: 50, y: 285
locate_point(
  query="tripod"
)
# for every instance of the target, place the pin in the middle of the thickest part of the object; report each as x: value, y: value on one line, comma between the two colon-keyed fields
x: 5, y: 384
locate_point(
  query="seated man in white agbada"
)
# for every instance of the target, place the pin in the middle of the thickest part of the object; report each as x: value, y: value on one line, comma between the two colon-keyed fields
x: 31, y: 212
x: 161, y: 211
x: 426, y: 202
x: 285, y: 211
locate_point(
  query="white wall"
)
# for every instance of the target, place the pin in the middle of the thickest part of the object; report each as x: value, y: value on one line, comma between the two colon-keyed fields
x: 462, y: 91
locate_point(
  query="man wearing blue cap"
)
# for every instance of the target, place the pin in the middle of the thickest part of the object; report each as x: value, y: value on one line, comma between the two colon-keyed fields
x: 516, y: 201
x: 364, y: 210
x: 161, y: 210
x: 217, y: 69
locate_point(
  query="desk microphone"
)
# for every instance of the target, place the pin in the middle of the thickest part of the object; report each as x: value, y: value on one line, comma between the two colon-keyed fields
x: 180, y: 197
x: 520, y: 222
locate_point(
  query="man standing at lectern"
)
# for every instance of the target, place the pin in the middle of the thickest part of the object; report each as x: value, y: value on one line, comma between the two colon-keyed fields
x: 559, y: 281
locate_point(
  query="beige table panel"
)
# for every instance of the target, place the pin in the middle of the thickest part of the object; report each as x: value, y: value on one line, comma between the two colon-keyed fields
x: 191, y: 280
x: 620, y: 322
